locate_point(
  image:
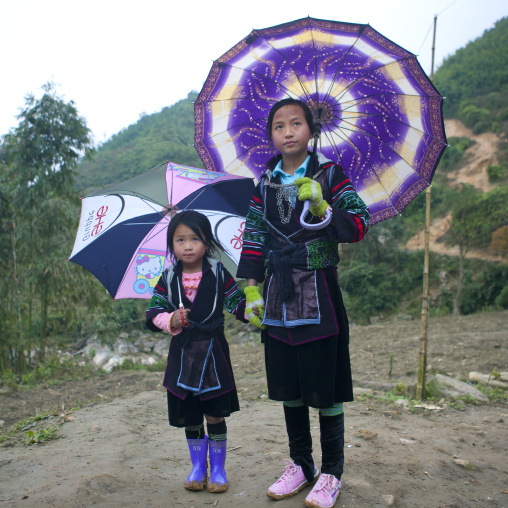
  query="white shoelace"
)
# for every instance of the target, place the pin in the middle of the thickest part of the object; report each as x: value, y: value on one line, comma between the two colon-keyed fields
x: 326, y: 481
x: 289, y: 471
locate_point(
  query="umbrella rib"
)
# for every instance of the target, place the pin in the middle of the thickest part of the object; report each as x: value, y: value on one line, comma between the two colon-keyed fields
x: 352, y: 104
x: 245, y: 151
x: 136, y: 194
x: 366, y: 74
x: 368, y: 134
x: 367, y: 115
x: 347, y: 140
x: 339, y: 66
x: 307, y: 95
x: 246, y: 123
x: 254, y: 73
x: 318, y: 108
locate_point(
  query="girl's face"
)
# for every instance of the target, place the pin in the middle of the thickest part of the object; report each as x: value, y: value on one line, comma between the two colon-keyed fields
x: 189, y: 248
x: 290, y: 132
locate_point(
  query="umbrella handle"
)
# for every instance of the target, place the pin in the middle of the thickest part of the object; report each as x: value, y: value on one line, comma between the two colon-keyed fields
x: 318, y: 225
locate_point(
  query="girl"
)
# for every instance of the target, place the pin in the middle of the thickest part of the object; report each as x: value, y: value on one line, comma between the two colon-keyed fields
x: 305, y: 324
x: 188, y: 302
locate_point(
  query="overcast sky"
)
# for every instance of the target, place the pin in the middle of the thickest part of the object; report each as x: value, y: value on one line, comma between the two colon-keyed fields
x: 119, y: 59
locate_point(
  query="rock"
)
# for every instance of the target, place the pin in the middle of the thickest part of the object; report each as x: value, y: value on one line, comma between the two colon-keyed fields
x: 375, y: 385
x: 146, y: 360
x: 363, y: 391
x: 102, y: 356
x: 147, y: 346
x: 366, y: 434
x: 123, y: 348
x: 487, y: 379
x: 402, y: 402
x: 161, y: 348
x: 462, y: 462
x: 389, y: 499
x: 432, y: 407
x: 450, y: 387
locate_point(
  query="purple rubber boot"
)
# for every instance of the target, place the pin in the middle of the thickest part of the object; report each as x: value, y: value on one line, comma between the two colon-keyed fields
x: 198, y: 449
x: 218, y: 481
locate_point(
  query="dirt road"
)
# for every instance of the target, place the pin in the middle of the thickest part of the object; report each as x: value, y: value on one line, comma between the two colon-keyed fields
x: 123, y: 453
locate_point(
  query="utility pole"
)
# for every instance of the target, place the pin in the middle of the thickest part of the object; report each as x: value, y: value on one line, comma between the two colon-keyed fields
x: 422, y: 361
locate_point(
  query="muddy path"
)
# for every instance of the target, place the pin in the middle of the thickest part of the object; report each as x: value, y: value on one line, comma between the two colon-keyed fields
x: 119, y: 451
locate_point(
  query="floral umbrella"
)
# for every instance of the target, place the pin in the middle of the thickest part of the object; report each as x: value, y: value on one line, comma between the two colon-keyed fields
x: 380, y: 116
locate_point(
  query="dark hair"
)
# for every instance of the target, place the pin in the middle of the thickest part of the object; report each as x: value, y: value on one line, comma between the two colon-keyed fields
x: 288, y: 102
x: 200, y: 224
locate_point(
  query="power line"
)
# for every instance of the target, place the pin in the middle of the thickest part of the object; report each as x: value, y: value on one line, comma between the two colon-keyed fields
x: 428, y: 31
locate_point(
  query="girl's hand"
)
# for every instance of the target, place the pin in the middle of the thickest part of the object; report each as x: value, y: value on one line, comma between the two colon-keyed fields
x: 310, y: 190
x: 177, y: 321
x: 255, y: 307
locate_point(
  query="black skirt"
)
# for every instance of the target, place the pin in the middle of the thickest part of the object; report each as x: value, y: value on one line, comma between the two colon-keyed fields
x: 189, y: 411
x: 318, y: 372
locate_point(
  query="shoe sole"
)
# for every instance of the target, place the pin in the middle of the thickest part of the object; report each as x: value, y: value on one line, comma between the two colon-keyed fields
x: 195, y: 485
x: 215, y: 488
x: 278, y: 497
x: 310, y: 504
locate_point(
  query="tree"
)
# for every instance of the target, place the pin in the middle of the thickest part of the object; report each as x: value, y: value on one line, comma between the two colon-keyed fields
x: 38, y: 213
x: 463, y: 230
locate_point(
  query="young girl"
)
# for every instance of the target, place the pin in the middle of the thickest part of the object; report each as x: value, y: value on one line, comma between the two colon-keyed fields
x: 305, y: 324
x: 188, y: 302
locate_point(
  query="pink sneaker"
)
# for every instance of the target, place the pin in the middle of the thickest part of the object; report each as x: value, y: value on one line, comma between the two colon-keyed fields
x: 325, y: 492
x: 291, y: 482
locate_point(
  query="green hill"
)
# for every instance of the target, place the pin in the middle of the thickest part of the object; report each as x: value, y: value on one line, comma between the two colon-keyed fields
x: 167, y: 135
x: 475, y: 81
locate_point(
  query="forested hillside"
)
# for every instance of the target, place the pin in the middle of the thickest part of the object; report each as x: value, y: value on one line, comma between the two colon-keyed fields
x: 475, y: 81
x: 168, y: 135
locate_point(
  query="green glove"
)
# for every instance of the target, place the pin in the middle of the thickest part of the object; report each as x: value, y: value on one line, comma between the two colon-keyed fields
x: 254, y: 301
x: 310, y: 190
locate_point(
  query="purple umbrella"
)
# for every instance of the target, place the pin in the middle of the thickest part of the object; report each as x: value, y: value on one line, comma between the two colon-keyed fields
x: 380, y: 116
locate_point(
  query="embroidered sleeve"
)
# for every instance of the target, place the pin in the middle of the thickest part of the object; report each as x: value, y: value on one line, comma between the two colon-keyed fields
x: 350, y: 213
x: 159, y: 302
x: 234, y: 297
x: 255, y: 239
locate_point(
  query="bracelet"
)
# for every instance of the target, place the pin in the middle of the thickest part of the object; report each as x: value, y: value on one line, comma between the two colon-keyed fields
x: 328, y: 209
x: 182, y: 318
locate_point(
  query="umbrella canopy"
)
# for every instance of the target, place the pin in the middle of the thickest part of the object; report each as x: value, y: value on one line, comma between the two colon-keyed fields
x: 121, y: 237
x: 380, y: 116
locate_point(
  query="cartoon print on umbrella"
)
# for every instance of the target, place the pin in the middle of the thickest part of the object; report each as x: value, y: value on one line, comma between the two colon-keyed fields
x: 380, y: 116
x: 121, y: 237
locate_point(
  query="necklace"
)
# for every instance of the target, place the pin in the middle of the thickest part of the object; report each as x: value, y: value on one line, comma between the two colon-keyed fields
x: 286, y: 193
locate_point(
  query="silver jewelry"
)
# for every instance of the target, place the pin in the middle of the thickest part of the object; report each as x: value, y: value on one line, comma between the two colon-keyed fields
x: 286, y: 193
